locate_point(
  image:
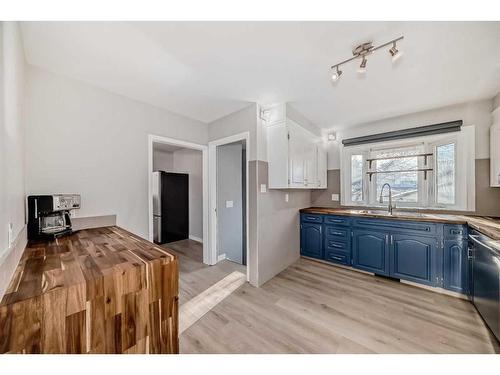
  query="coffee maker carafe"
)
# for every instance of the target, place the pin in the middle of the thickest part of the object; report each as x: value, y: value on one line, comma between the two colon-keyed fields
x: 49, y: 215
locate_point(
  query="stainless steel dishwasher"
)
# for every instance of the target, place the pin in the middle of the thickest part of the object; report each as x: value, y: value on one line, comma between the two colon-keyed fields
x: 485, y: 278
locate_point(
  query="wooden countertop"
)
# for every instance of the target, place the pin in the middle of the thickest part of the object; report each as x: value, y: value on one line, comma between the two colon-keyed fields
x: 102, y: 290
x: 486, y: 225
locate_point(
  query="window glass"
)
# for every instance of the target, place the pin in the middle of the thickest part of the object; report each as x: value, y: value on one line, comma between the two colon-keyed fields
x: 394, y: 171
x: 356, y: 178
x: 445, y: 174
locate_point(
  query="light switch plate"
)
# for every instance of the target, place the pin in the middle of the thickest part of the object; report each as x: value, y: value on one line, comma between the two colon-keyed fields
x: 229, y: 204
x: 335, y: 197
x: 263, y: 188
x: 287, y: 197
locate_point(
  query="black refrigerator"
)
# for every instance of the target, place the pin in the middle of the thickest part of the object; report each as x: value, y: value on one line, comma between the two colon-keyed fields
x: 170, y: 206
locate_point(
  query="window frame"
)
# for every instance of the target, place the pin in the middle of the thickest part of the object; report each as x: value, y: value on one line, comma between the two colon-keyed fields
x: 464, y: 171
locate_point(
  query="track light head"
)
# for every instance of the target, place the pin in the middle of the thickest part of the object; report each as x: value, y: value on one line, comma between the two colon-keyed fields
x: 395, y: 53
x: 362, y: 66
x: 336, y: 74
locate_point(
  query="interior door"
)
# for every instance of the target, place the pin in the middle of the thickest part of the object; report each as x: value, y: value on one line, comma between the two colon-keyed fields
x: 230, y: 202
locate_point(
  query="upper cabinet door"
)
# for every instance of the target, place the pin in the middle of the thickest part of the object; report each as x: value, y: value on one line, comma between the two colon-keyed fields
x: 297, y: 154
x: 311, y: 163
x: 277, y: 154
x: 322, y: 166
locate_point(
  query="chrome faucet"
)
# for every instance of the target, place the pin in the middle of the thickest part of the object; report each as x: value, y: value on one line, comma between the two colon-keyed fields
x: 381, y: 200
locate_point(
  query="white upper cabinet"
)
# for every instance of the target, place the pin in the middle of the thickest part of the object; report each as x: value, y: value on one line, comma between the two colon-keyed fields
x: 297, y: 157
x: 322, y: 165
x: 495, y: 149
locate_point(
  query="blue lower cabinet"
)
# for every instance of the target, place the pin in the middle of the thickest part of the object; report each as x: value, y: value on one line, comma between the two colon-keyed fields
x: 311, y: 240
x: 370, y: 251
x: 426, y: 253
x: 455, y: 265
x: 414, y: 258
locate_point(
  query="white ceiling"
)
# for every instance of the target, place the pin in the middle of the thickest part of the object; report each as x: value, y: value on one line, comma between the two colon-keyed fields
x: 206, y: 70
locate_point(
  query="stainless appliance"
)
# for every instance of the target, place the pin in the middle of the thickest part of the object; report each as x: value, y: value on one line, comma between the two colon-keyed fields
x: 170, y: 206
x: 49, y: 215
x: 485, y: 279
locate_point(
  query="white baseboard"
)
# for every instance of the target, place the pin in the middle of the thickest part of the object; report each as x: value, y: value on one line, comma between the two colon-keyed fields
x: 10, y: 259
x: 194, y: 238
x: 221, y: 257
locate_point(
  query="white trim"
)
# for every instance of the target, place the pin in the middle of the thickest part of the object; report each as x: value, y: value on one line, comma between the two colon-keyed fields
x: 212, y: 170
x: 221, y: 257
x: 194, y: 238
x: 194, y: 146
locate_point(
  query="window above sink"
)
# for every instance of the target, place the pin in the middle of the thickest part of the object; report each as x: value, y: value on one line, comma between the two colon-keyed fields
x: 432, y: 172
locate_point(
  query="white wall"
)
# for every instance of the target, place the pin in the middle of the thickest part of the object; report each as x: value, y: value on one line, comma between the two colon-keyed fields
x: 162, y: 160
x: 12, y: 149
x: 472, y: 113
x: 83, y: 139
x: 244, y: 120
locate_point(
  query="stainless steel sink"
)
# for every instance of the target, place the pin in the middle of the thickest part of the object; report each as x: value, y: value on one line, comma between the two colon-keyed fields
x: 394, y: 213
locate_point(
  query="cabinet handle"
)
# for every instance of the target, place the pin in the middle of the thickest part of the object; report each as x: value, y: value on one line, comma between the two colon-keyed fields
x: 336, y: 257
x: 337, y: 233
x: 333, y: 244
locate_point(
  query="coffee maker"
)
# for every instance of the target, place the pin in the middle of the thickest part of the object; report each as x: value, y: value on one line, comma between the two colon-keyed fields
x: 49, y: 215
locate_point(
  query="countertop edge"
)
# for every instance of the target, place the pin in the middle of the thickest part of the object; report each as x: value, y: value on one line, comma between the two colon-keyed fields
x: 433, y: 218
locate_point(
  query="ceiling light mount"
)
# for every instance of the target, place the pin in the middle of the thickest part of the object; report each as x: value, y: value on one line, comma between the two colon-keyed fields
x: 364, y: 49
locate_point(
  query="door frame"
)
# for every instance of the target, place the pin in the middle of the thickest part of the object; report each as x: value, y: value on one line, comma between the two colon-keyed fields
x: 212, y: 171
x: 152, y: 139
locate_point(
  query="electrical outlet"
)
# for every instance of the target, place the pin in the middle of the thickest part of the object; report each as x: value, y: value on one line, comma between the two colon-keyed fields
x: 263, y: 188
x: 335, y: 197
x: 229, y: 204
x: 287, y: 197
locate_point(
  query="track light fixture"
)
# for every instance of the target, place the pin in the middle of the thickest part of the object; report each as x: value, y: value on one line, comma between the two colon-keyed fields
x: 362, y: 66
x: 336, y: 74
x: 395, y: 53
x: 364, y: 50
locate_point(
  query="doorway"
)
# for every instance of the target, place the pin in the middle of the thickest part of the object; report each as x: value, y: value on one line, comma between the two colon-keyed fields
x: 178, y: 194
x: 231, y: 202
x: 228, y: 171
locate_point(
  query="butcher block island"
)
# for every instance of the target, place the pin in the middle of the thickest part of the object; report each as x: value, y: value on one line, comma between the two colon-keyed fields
x: 101, y: 290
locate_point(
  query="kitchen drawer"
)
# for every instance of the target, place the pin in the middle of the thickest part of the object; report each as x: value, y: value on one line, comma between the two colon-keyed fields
x: 453, y: 231
x: 333, y: 245
x: 311, y: 218
x: 337, y: 220
x: 337, y: 257
x: 334, y: 232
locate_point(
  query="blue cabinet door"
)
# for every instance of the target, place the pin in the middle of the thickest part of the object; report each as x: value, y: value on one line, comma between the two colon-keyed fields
x: 311, y: 240
x: 455, y: 264
x: 370, y: 251
x: 413, y: 258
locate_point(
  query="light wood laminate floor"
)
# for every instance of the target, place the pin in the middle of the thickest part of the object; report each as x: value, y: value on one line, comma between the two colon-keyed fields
x: 313, y: 307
